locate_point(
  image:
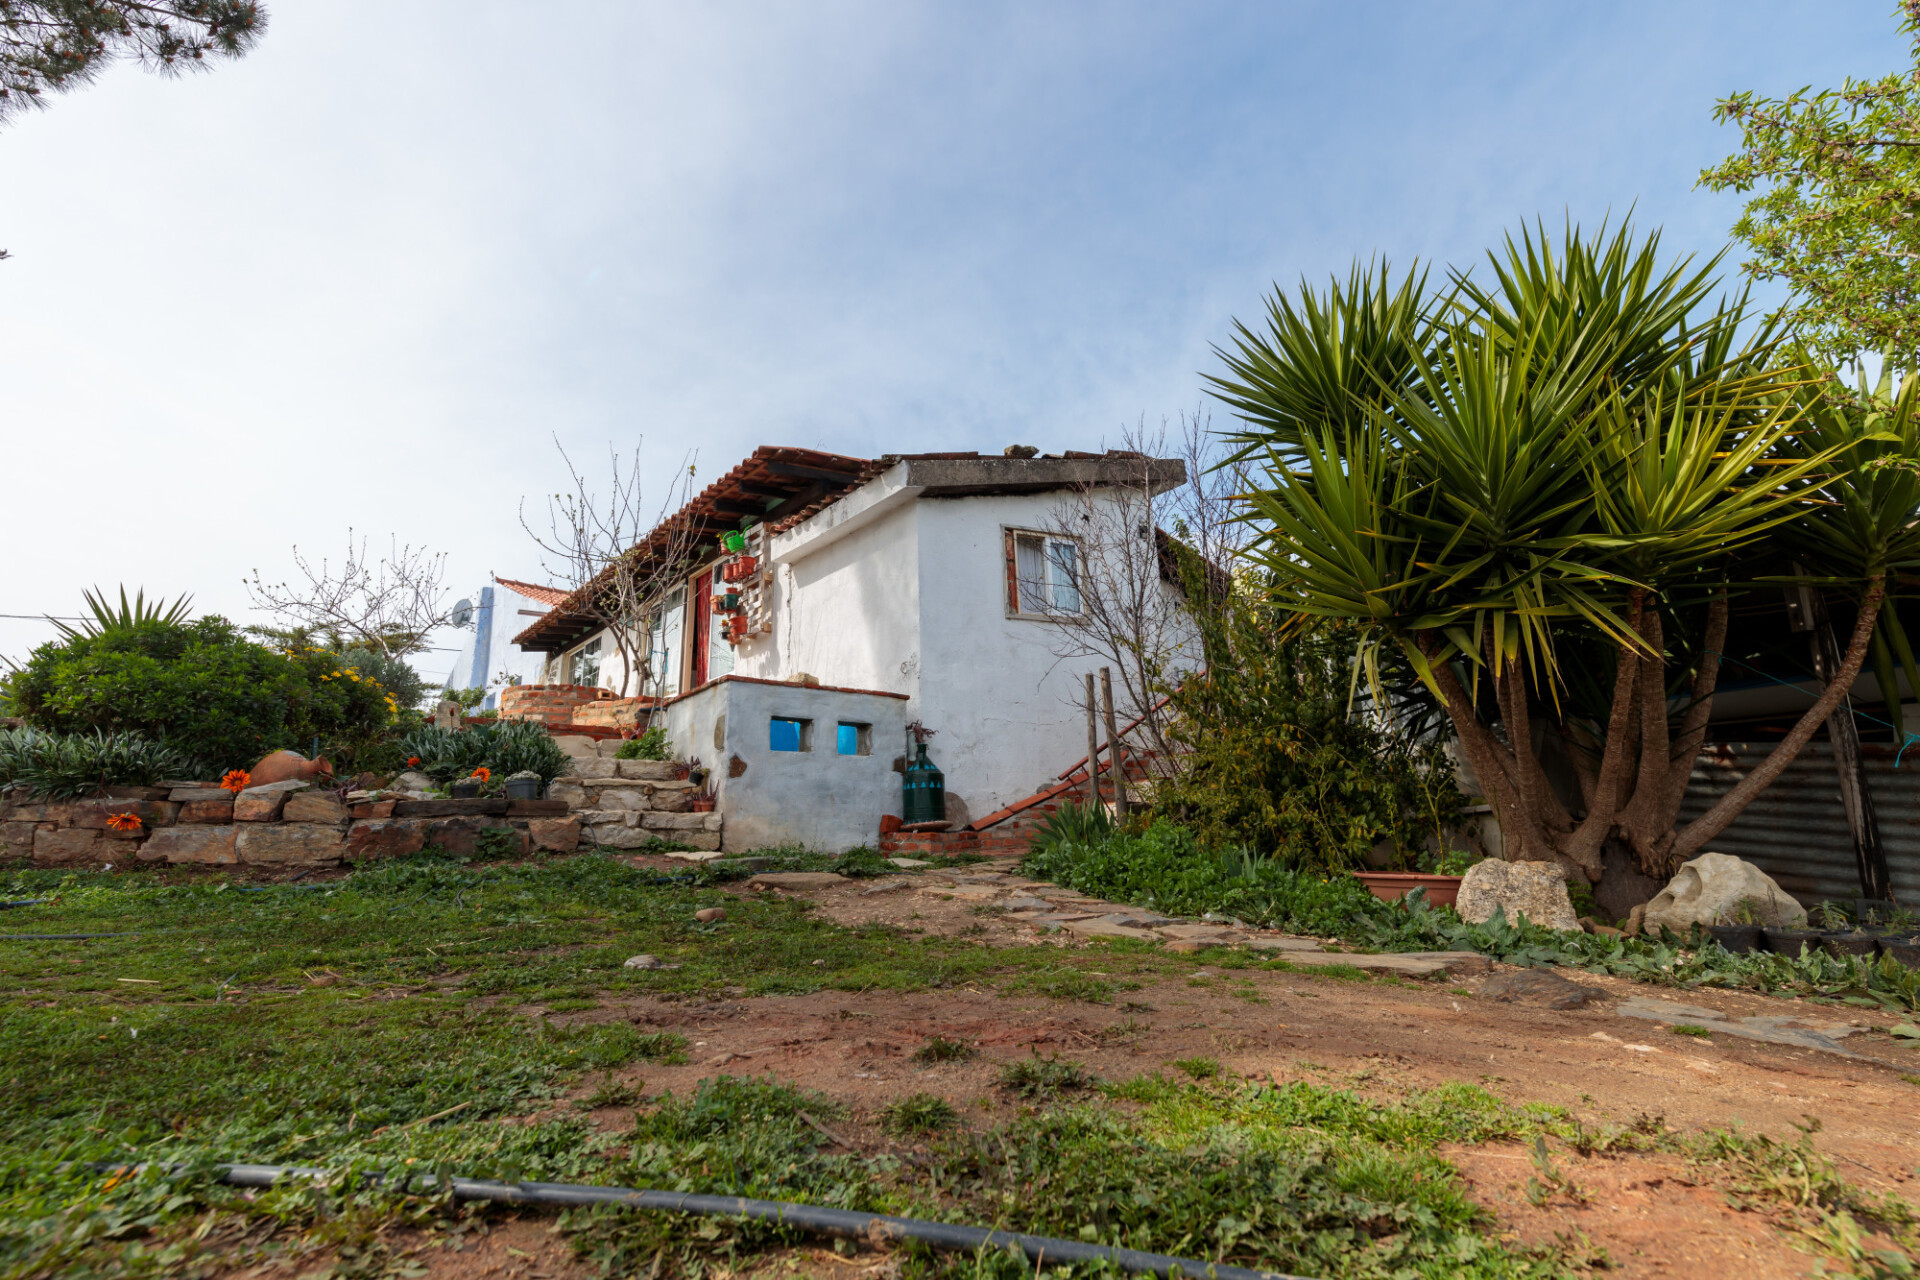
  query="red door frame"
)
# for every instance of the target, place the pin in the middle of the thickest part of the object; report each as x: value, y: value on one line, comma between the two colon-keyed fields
x: 701, y: 641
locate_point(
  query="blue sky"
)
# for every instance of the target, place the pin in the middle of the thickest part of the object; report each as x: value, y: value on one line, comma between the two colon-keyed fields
x: 366, y: 275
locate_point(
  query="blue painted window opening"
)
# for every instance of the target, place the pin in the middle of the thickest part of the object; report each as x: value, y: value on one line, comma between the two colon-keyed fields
x: 789, y: 735
x: 856, y: 739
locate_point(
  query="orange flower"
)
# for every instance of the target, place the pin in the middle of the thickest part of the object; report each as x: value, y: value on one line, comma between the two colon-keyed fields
x: 413, y: 762
x: 236, y: 780
x: 483, y: 773
x: 124, y: 821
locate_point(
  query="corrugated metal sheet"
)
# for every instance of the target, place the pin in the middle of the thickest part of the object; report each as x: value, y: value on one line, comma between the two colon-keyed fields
x: 1796, y: 831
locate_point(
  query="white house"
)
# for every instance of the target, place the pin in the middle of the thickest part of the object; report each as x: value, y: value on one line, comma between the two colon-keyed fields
x: 871, y: 593
x: 488, y: 658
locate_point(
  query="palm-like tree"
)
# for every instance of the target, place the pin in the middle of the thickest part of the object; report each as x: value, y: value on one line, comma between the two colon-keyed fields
x: 1528, y: 487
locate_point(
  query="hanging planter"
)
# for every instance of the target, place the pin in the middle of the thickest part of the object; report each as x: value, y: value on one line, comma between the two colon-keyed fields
x: 739, y: 569
x: 734, y: 542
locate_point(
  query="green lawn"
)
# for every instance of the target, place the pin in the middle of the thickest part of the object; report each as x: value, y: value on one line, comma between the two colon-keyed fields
x: 378, y: 1023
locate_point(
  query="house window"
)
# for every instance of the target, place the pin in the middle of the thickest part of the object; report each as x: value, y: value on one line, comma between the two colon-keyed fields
x: 1043, y: 575
x: 785, y: 734
x: 855, y: 739
x: 583, y: 664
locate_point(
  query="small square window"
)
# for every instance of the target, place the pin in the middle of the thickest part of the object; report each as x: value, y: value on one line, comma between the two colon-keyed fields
x: 855, y: 739
x: 785, y: 734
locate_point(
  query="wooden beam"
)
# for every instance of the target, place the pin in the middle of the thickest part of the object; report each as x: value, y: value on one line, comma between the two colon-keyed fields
x: 794, y: 469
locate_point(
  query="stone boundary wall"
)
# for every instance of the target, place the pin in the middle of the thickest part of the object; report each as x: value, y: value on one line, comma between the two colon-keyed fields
x: 281, y: 824
x: 622, y: 804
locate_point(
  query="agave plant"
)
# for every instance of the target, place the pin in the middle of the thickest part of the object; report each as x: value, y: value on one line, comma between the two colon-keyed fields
x: 57, y: 766
x: 1546, y: 479
x: 130, y: 614
x: 504, y: 748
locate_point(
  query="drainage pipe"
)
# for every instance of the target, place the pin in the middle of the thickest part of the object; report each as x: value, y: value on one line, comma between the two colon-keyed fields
x: 875, y: 1228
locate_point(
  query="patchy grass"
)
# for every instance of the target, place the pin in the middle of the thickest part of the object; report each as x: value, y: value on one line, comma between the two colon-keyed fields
x: 940, y: 1049
x: 1688, y: 1029
x: 1198, y: 1068
x: 1039, y: 1078
x: 918, y: 1114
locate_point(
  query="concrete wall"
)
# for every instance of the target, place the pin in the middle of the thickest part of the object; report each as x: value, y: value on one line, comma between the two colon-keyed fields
x: 816, y: 798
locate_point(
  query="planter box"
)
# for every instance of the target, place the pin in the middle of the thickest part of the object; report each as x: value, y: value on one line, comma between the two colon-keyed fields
x: 1395, y: 885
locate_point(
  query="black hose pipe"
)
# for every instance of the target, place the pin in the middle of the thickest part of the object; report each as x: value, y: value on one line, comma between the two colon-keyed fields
x: 24, y: 902
x: 875, y: 1228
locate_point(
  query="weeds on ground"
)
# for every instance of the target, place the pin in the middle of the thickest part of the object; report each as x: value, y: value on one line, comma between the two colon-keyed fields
x: 1688, y: 1029
x: 1038, y: 1078
x: 940, y: 1049
x: 919, y: 1113
x: 1198, y: 1068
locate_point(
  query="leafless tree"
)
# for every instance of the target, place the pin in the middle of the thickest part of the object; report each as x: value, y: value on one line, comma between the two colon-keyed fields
x: 391, y: 603
x: 622, y: 559
x: 1132, y: 608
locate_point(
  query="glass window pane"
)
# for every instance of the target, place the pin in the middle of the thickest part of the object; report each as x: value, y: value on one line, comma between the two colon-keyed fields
x: 784, y: 735
x: 1066, y: 575
x: 1030, y: 572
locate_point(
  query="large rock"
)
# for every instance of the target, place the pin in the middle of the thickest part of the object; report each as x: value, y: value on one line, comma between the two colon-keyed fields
x: 220, y: 811
x: 655, y: 821
x: 618, y: 837
x: 69, y: 844
x: 199, y: 795
x: 314, y: 806
x: 385, y: 838
x: 572, y: 794
x: 94, y: 813
x: 555, y: 835
x: 649, y: 770
x: 634, y: 797
x: 1711, y: 889
x: 16, y: 840
x: 460, y: 836
x: 592, y: 767
x: 215, y: 845
x: 290, y: 842
x: 411, y: 781
x: 264, y: 803
x: 1533, y: 889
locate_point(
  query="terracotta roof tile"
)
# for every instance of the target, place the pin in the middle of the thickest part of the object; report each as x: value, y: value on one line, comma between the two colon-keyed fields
x: 533, y: 590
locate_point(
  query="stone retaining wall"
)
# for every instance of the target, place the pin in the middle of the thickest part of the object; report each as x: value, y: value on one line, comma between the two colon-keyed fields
x: 623, y: 804
x: 550, y: 704
x: 284, y: 823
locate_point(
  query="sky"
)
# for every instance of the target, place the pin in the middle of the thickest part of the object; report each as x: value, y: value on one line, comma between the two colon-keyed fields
x: 368, y: 276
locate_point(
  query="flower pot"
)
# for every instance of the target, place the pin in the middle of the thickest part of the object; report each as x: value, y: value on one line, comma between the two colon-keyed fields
x: 524, y: 788
x: 1850, y: 944
x: 1741, y: 939
x: 1395, y: 885
x: 1787, y: 942
x: 464, y: 790
x: 701, y: 804
x: 1905, y: 950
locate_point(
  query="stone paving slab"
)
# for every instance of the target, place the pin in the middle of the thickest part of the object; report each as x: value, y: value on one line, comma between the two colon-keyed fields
x: 1790, y: 1030
x: 1102, y: 927
x: 1371, y: 964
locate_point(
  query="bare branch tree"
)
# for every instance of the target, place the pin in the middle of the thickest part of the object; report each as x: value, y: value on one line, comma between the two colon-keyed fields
x: 622, y: 561
x: 1132, y: 610
x: 390, y: 604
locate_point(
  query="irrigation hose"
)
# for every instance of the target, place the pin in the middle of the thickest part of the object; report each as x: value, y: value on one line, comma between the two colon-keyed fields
x: 875, y: 1228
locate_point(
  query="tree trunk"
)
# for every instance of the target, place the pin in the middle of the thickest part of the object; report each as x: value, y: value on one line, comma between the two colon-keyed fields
x: 1863, y: 824
x: 1717, y: 819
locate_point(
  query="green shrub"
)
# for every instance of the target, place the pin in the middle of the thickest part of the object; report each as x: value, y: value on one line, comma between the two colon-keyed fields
x: 1072, y: 824
x: 202, y: 689
x: 919, y: 1113
x: 56, y: 766
x: 504, y: 747
x: 1280, y: 760
x: 651, y: 745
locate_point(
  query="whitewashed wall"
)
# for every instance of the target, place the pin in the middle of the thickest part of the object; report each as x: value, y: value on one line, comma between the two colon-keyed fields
x: 490, y: 639
x: 816, y: 798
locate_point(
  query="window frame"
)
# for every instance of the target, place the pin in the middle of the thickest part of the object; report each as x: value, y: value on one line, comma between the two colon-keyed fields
x: 862, y: 738
x: 1012, y: 536
x: 805, y: 746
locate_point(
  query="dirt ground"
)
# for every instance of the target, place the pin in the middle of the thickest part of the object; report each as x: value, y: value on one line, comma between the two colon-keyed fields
x: 1651, y: 1215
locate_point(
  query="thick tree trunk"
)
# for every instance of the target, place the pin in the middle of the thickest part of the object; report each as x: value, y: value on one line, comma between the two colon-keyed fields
x: 1863, y: 823
x: 1717, y: 819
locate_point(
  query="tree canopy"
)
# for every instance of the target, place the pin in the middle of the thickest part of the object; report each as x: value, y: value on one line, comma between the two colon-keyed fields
x: 1836, y: 177
x: 51, y: 46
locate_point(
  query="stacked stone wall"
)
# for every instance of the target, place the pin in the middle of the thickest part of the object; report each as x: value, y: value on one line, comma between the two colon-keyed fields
x: 550, y: 704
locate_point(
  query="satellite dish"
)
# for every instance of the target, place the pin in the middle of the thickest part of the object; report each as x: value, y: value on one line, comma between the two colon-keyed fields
x: 463, y: 612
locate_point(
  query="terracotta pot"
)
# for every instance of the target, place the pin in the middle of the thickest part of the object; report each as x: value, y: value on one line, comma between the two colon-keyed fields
x: 701, y: 804
x: 1395, y: 885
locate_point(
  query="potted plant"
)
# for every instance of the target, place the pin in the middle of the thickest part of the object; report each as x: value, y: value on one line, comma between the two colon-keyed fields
x: 524, y: 785
x: 702, y: 802
x: 1442, y: 884
x: 469, y: 787
x: 1738, y: 930
x: 1839, y: 935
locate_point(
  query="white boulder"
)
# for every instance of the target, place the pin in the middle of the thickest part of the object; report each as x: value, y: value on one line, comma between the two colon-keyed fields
x: 1536, y: 890
x: 1712, y: 889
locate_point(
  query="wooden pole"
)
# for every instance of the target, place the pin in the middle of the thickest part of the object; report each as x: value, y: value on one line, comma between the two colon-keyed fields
x: 1863, y: 823
x: 1116, y: 765
x: 1093, y: 748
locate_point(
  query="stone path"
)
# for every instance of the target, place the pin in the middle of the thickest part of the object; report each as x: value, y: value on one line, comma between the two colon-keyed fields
x: 1048, y: 908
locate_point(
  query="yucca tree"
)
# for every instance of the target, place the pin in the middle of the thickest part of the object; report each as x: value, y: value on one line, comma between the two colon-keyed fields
x: 1561, y: 467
